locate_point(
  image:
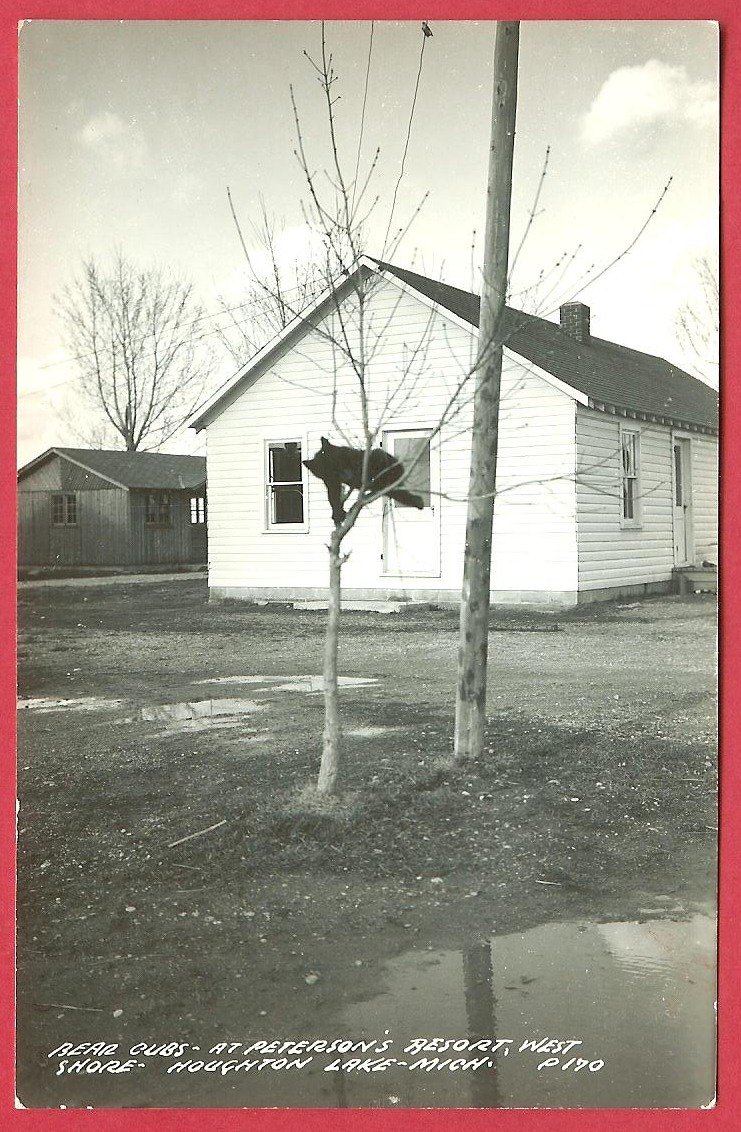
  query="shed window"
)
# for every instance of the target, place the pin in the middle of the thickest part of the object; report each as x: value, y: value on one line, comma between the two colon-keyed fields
x: 197, y: 509
x: 631, y: 456
x: 285, y: 484
x: 64, y: 510
x: 158, y: 511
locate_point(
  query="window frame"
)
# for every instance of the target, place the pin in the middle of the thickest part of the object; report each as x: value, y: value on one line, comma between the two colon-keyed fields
x: 635, y: 521
x: 66, y: 498
x: 269, y: 527
x: 159, y: 495
x: 201, y: 514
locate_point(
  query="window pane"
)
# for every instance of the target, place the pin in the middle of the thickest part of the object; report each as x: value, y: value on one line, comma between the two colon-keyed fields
x: 629, y: 453
x: 71, y: 509
x: 414, y: 453
x: 151, y: 509
x: 285, y: 463
x: 164, y: 509
x: 678, y: 489
x: 628, y: 499
x: 287, y: 504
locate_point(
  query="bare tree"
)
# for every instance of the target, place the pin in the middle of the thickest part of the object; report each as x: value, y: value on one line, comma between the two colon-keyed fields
x: 277, y: 287
x: 136, y: 335
x: 360, y: 405
x: 698, y: 320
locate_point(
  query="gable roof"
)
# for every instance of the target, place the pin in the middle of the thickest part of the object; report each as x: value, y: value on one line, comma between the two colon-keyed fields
x: 612, y: 377
x: 132, y: 469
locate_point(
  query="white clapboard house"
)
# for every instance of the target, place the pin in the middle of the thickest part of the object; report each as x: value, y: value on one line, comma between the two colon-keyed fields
x: 607, y: 468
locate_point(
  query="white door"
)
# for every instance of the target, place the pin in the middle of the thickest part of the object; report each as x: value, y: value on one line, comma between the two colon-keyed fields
x: 411, y: 537
x: 682, y: 484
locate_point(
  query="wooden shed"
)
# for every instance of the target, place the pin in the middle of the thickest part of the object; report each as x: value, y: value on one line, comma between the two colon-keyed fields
x: 84, y: 507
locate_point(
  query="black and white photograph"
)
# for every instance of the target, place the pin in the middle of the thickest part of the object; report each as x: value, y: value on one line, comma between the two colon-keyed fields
x: 367, y: 505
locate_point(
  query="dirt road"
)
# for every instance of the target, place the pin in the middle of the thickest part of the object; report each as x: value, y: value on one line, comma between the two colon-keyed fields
x: 148, y: 716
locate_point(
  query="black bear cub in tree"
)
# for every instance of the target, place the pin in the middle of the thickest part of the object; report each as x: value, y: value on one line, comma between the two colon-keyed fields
x: 335, y: 466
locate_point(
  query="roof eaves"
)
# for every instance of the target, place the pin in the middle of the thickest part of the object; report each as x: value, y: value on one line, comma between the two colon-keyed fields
x: 616, y: 410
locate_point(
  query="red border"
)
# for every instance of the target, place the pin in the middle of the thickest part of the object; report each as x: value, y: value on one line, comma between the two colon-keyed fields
x: 723, y: 1115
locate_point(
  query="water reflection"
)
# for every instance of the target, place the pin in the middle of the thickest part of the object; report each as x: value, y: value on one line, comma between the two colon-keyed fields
x: 198, y: 709
x: 638, y: 997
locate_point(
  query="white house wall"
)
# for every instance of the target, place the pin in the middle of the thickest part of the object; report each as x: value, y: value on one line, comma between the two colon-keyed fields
x: 613, y: 557
x: 535, y: 516
x: 704, y: 484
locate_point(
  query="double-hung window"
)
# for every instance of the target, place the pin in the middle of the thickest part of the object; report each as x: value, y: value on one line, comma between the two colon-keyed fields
x: 285, y: 505
x: 630, y: 456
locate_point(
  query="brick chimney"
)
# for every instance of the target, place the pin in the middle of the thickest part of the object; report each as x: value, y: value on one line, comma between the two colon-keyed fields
x: 575, y: 320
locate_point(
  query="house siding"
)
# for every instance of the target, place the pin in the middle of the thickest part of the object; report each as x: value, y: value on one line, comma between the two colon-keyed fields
x: 704, y: 483
x: 535, y: 542
x: 613, y: 556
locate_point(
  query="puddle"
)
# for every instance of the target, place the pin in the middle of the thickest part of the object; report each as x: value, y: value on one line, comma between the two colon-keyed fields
x: 79, y: 703
x: 292, y: 683
x: 198, y: 710
x: 369, y: 732
x: 637, y: 996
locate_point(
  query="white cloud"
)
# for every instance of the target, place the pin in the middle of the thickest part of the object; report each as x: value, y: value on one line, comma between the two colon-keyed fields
x: 121, y: 144
x: 651, y: 94
x: 295, y: 246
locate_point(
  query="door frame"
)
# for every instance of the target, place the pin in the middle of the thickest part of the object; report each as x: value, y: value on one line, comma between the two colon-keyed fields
x: 684, y: 440
x: 435, y: 500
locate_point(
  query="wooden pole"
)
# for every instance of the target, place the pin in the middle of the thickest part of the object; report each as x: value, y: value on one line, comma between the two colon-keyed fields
x: 470, y: 716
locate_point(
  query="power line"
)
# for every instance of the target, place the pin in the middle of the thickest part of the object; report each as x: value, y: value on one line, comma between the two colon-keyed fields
x: 426, y: 34
x: 79, y: 357
x: 362, y: 116
x: 185, y: 325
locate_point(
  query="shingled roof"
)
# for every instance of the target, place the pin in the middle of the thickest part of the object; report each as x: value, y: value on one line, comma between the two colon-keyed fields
x: 611, y: 376
x: 133, y: 469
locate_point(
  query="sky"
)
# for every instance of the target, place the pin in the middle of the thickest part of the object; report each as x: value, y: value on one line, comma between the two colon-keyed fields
x: 130, y: 133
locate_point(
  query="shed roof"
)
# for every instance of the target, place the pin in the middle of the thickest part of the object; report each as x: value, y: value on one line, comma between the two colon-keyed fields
x: 132, y: 469
x: 609, y: 374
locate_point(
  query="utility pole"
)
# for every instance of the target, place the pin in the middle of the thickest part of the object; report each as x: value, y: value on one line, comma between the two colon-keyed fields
x: 470, y: 713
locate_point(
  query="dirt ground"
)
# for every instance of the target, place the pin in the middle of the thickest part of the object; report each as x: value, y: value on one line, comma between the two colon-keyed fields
x: 597, y: 791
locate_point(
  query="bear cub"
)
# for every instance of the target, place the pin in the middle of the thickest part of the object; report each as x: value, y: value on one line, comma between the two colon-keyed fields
x: 335, y: 466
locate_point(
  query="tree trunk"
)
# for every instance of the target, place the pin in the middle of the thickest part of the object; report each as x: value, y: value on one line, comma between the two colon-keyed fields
x: 470, y: 713
x: 332, y: 746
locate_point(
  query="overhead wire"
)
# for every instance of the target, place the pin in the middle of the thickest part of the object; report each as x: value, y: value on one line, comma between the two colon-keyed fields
x: 406, y: 143
x: 362, y: 117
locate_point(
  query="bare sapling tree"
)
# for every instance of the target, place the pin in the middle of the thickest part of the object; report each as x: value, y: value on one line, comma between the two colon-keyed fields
x: 359, y: 405
x: 137, y: 337
x: 363, y: 400
x: 698, y: 320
